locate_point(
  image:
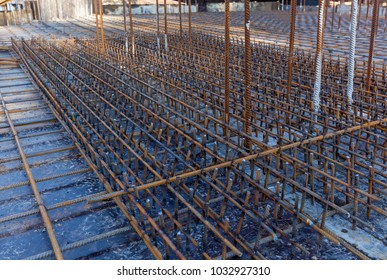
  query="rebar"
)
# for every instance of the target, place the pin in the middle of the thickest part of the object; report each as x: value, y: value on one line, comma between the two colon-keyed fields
x: 180, y: 20
x: 319, y: 46
x: 291, y: 48
x: 132, y: 36
x: 227, y: 62
x: 124, y: 13
x: 165, y: 26
x: 352, y: 47
x: 374, y: 24
x: 247, y: 70
x: 189, y: 20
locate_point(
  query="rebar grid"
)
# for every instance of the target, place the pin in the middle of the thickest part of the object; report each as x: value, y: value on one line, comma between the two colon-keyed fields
x: 153, y: 124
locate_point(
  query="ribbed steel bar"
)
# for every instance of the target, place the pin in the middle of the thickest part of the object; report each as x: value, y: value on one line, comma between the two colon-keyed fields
x: 227, y: 62
x: 319, y: 46
x: 97, y: 35
x: 165, y: 26
x: 374, y: 24
x: 102, y: 32
x: 132, y: 35
x: 247, y: 72
x: 291, y: 48
x: 180, y: 20
x: 158, y: 23
x: 124, y: 13
x: 352, y: 48
x: 189, y: 20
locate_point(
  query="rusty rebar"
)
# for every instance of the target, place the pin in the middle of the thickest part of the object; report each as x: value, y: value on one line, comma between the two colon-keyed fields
x: 96, y: 20
x: 158, y: 23
x: 291, y: 48
x: 374, y: 24
x: 189, y: 20
x: 165, y: 17
x: 247, y: 70
x: 165, y: 26
x: 124, y: 13
x: 180, y: 20
x: 101, y: 26
x: 133, y: 42
x: 227, y: 62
